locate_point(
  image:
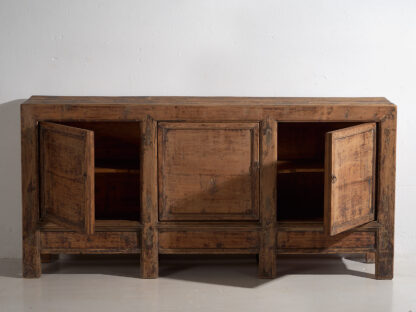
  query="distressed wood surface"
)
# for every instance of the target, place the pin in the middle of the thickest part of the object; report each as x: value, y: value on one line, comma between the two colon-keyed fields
x: 71, y: 242
x: 268, y: 173
x: 350, y: 177
x: 100, y: 226
x: 386, y: 196
x: 319, y: 240
x: 208, y: 239
x: 208, y: 171
x: 195, y: 100
x: 208, y: 108
x: 67, y: 176
x: 149, y: 260
x: 30, y: 194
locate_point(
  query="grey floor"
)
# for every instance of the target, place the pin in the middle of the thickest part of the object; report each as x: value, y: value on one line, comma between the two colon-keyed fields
x: 111, y: 283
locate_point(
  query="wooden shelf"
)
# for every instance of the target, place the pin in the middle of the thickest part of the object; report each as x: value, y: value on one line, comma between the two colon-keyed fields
x: 116, y: 170
x: 293, y: 166
x: 100, y: 226
x: 117, y: 166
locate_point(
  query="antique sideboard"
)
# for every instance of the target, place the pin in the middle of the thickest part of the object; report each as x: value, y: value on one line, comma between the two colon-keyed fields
x: 208, y: 175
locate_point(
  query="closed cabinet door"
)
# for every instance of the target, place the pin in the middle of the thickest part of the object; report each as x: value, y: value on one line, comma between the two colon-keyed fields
x: 67, y: 176
x: 350, y: 161
x: 208, y: 171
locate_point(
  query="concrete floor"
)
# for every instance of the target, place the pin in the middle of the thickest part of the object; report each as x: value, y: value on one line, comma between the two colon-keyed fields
x: 110, y: 283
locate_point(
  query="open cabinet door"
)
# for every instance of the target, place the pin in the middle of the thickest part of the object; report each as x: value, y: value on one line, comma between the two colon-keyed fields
x: 350, y: 155
x: 67, y: 176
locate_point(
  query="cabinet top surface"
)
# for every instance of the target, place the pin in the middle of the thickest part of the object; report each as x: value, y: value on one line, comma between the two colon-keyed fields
x: 207, y: 101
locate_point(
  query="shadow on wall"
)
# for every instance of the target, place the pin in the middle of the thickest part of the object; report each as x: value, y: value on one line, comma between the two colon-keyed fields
x: 10, y: 181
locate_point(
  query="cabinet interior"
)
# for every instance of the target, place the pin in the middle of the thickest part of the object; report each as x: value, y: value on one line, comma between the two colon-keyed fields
x: 117, y: 164
x: 300, y: 167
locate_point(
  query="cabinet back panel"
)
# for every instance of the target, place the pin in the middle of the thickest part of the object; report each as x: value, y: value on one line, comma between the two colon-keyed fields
x: 117, y: 196
x: 116, y: 144
x: 305, y: 140
x: 300, y: 196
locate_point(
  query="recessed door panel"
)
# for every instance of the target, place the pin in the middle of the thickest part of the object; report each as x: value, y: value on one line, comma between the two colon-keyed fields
x: 349, y: 177
x: 67, y: 176
x: 208, y: 171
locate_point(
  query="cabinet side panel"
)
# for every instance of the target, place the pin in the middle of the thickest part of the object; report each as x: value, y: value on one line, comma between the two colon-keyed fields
x: 386, y: 196
x: 30, y: 194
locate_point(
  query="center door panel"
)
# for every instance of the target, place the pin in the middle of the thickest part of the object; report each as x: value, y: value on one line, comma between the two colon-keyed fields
x: 208, y: 171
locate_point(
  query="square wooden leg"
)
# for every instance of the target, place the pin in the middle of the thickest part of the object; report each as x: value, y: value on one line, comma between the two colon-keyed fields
x: 31, y: 255
x: 384, y: 255
x: 149, y: 259
x: 267, y: 256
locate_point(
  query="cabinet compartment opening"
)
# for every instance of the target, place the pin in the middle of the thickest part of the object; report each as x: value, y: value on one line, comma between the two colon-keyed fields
x: 117, y: 168
x: 300, y: 169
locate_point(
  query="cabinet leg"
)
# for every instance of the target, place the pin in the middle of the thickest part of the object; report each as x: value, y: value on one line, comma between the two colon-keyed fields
x: 31, y: 255
x: 267, y: 265
x: 370, y: 257
x: 149, y: 258
x: 384, y: 256
x: 49, y: 258
x: 267, y: 256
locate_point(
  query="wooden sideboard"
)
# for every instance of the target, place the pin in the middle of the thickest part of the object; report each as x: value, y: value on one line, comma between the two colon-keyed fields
x: 208, y: 175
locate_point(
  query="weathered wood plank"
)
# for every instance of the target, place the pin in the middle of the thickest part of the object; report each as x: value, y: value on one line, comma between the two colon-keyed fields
x: 319, y: 240
x: 30, y: 194
x: 100, y: 226
x: 208, y: 109
x: 149, y: 263
x: 68, y: 242
x: 208, y: 239
x: 208, y: 171
x: 268, y: 177
x: 386, y: 196
x: 349, y: 177
x: 67, y: 176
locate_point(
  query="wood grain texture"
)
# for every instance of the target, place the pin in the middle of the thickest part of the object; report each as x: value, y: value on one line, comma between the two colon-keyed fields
x: 319, y: 240
x: 30, y: 194
x: 386, y: 196
x: 67, y: 176
x: 208, y: 239
x: 71, y: 242
x: 208, y: 108
x: 350, y: 177
x: 100, y: 226
x: 268, y: 175
x: 208, y: 171
x: 149, y: 263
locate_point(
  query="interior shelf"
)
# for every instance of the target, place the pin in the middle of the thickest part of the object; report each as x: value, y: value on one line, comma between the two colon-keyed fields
x: 116, y: 170
x: 293, y: 166
x: 119, y: 166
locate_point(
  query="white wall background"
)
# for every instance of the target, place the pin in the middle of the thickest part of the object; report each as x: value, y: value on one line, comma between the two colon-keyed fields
x: 219, y: 47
